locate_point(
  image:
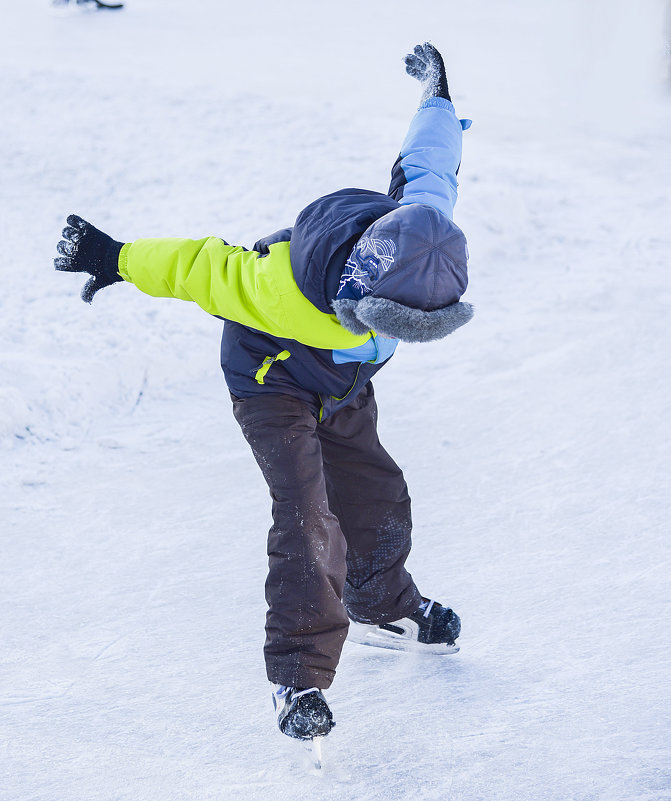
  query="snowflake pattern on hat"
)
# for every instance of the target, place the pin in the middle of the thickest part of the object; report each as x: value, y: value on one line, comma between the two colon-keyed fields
x: 369, y: 260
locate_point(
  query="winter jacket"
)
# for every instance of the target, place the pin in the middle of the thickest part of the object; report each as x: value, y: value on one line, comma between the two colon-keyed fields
x: 280, y: 333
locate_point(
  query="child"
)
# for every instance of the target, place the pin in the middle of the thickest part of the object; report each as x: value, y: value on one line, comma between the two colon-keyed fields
x: 312, y: 313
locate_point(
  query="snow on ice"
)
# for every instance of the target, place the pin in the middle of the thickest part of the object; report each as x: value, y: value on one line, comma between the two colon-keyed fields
x: 535, y: 441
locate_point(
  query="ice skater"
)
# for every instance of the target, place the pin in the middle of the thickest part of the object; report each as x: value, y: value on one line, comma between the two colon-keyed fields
x: 311, y: 313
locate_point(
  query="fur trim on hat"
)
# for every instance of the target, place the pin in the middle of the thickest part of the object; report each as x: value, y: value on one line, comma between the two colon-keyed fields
x: 392, y: 319
x: 346, y: 314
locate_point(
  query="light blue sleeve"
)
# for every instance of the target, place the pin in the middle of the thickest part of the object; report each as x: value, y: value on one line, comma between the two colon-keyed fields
x: 426, y: 171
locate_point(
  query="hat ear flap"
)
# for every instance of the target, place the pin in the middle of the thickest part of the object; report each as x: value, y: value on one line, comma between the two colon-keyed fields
x: 345, y: 310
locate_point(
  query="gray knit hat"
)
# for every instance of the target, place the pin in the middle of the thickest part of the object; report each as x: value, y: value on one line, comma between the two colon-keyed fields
x: 405, y: 276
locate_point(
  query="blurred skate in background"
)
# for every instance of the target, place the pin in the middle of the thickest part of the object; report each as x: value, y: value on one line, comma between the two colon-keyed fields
x: 88, y: 4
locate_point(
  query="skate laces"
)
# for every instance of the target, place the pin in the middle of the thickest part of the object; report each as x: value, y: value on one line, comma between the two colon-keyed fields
x: 283, y: 691
x: 426, y: 607
x: 298, y: 694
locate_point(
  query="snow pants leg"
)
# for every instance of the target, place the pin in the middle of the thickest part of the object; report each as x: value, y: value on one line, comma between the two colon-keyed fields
x: 368, y: 494
x: 341, y: 525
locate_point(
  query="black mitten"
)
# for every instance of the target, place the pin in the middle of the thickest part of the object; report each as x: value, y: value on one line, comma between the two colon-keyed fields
x: 426, y: 65
x: 85, y: 249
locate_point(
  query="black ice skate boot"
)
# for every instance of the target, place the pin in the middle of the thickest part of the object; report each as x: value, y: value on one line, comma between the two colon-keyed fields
x: 431, y: 629
x: 304, y: 715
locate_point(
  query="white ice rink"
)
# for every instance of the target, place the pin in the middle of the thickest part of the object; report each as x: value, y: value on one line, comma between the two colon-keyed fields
x: 536, y: 440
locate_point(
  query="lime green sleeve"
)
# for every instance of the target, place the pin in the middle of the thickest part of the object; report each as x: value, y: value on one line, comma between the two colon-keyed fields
x: 233, y: 283
x: 220, y: 278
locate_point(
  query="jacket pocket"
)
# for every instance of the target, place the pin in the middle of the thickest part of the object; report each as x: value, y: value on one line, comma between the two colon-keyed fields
x: 267, y: 363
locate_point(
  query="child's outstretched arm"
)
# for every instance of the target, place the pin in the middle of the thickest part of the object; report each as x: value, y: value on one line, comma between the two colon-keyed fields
x: 225, y: 280
x: 426, y: 169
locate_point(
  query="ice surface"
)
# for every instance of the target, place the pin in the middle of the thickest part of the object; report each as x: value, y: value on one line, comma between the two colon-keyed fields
x: 535, y: 441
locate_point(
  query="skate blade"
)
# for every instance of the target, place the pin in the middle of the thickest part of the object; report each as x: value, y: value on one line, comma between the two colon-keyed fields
x: 313, y: 748
x: 365, y: 634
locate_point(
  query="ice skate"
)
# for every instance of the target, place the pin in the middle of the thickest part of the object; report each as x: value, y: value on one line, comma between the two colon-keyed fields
x: 432, y: 629
x: 88, y: 4
x: 304, y: 715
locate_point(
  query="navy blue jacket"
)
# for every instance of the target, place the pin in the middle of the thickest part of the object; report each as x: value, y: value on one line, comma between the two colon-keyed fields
x: 322, y: 238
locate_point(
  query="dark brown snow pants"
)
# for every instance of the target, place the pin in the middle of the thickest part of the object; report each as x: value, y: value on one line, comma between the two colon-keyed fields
x: 341, y: 531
